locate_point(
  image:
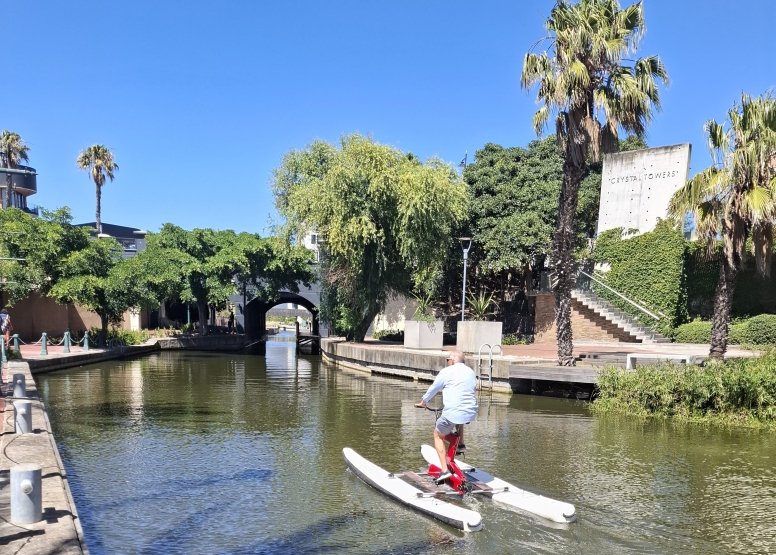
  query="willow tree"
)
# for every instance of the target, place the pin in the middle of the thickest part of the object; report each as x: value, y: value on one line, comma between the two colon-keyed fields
x: 98, y: 159
x: 385, y: 217
x: 735, y: 199
x: 587, y: 86
x: 12, y: 151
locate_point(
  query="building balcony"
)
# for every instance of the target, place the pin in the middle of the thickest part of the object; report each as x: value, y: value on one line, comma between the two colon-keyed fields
x: 24, y: 178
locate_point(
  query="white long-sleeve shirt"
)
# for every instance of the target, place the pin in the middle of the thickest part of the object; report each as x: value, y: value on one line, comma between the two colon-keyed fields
x: 458, y: 385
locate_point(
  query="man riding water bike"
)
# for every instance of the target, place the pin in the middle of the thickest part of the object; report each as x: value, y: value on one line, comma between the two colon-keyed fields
x: 458, y: 385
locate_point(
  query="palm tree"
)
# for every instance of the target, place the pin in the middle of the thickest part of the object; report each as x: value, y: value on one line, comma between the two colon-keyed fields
x: 735, y: 199
x: 584, y: 82
x: 98, y: 159
x: 12, y: 151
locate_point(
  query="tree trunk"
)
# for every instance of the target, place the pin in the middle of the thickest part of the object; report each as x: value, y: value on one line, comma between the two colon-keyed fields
x: 97, y: 215
x: 102, y: 339
x: 8, y: 183
x: 723, y: 302
x: 202, y: 308
x: 369, y: 317
x: 563, y: 259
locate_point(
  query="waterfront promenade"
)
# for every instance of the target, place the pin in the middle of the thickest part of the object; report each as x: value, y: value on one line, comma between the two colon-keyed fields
x: 512, y: 372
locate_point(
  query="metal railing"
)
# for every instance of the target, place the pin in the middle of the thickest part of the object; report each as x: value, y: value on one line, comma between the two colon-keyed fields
x: 623, y: 297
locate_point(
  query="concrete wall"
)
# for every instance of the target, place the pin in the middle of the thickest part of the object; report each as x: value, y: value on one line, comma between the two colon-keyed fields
x: 637, y: 185
x: 397, y: 311
x: 35, y: 314
x: 585, y: 324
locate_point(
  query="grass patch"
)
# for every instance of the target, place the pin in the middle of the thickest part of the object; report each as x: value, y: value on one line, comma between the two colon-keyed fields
x: 736, y: 392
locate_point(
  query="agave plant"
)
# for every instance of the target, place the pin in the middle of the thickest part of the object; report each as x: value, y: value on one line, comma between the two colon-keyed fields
x: 423, y: 312
x: 479, y: 305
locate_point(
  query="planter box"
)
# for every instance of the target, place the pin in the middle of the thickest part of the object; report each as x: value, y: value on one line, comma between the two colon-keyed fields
x: 423, y: 335
x: 472, y: 335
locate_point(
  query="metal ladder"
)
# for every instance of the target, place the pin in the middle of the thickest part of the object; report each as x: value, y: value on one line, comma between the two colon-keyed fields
x: 486, y: 379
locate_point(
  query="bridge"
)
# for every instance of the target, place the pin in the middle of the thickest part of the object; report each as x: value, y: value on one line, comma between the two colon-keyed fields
x: 251, y: 314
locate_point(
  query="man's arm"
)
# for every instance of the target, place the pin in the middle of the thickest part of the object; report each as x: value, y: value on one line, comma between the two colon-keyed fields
x: 434, y: 388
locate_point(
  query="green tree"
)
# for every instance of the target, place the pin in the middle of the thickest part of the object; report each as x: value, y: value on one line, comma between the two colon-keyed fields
x: 42, y: 244
x: 97, y: 278
x: 735, y: 199
x: 584, y: 82
x: 205, y: 266
x: 386, y: 219
x: 98, y: 159
x: 12, y: 151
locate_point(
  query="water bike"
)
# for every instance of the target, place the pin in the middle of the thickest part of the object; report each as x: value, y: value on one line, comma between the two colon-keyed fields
x: 419, y: 490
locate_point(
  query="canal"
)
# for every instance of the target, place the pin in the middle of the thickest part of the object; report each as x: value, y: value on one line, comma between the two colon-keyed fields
x: 197, y: 453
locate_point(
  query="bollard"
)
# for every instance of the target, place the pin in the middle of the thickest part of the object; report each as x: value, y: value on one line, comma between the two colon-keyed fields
x: 67, y: 342
x: 44, y: 344
x: 3, y: 358
x: 26, y: 494
x: 86, y: 341
x: 23, y: 411
x: 19, y: 386
x: 15, y: 338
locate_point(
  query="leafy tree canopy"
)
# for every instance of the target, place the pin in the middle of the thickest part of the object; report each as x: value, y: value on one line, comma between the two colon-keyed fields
x: 97, y: 278
x: 514, y: 202
x: 43, y: 243
x: 205, y: 266
x: 386, y: 218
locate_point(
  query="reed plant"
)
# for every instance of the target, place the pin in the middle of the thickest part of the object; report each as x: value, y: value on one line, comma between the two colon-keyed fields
x: 737, y: 391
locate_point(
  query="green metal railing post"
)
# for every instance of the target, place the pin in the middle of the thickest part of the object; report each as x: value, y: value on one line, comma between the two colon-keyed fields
x: 15, y: 338
x: 67, y: 342
x: 3, y: 358
x: 86, y: 341
x: 44, y: 344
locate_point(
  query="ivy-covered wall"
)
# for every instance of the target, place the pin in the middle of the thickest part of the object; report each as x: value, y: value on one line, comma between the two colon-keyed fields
x: 648, y: 269
x: 753, y: 295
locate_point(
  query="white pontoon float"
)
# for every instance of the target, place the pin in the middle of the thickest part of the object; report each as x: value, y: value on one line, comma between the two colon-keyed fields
x: 506, y: 493
x: 424, y: 498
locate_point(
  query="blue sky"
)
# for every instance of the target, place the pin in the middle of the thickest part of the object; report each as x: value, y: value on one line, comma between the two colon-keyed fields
x: 200, y: 100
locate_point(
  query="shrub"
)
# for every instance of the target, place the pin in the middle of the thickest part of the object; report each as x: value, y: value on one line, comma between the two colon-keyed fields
x: 693, y: 332
x: 736, y: 391
x: 129, y: 337
x: 758, y: 330
x: 388, y: 335
x: 512, y: 339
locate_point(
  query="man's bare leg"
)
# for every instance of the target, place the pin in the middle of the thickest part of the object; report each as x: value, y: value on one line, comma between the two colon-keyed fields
x: 460, y: 434
x: 439, y: 445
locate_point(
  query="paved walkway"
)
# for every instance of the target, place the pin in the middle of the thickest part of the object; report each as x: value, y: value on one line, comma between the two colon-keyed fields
x: 548, y: 352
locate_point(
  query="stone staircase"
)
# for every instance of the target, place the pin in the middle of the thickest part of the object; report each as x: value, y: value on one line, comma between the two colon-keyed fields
x: 619, y: 318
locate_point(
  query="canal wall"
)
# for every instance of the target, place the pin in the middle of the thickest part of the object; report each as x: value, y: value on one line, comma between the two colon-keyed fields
x: 39, y: 364
x: 395, y: 360
x: 59, y: 532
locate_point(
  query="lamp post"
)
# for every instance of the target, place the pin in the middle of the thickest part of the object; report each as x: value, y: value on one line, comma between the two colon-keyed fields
x: 466, y: 244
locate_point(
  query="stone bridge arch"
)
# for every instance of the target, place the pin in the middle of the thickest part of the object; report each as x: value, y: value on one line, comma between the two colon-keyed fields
x: 251, y: 316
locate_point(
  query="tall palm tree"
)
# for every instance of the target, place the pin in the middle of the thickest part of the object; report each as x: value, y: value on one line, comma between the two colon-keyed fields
x: 734, y: 199
x: 98, y: 159
x: 12, y: 151
x: 585, y: 84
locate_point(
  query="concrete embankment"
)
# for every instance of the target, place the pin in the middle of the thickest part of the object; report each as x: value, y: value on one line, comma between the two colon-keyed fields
x: 390, y: 360
x: 60, y: 532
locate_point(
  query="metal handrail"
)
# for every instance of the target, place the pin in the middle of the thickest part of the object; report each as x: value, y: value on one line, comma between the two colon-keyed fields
x: 621, y: 295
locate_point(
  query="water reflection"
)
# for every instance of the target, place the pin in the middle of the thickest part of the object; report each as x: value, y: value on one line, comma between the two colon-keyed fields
x: 206, y: 453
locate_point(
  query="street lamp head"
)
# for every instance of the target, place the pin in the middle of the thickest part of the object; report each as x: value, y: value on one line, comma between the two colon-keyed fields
x: 466, y: 243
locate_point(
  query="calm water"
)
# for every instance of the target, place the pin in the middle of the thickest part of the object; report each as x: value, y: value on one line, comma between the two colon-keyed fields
x: 231, y: 454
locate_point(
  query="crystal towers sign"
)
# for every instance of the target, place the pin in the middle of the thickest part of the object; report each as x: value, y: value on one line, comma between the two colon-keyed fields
x: 637, y: 185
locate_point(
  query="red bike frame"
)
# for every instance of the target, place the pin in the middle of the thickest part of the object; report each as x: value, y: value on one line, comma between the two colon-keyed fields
x: 458, y: 479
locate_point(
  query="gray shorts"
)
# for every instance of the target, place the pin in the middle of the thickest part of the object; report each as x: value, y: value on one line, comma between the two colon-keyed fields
x: 444, y: 426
